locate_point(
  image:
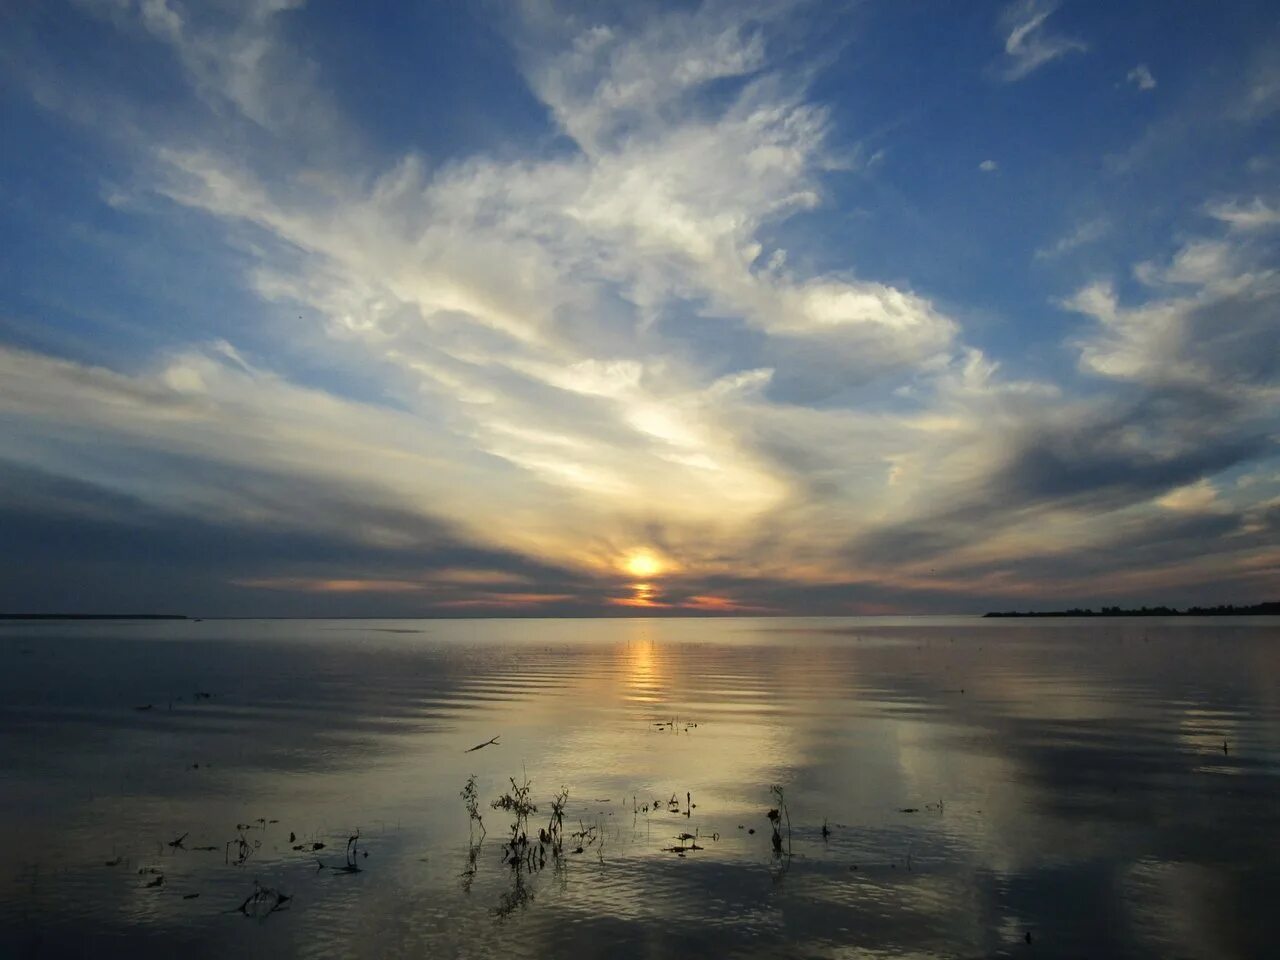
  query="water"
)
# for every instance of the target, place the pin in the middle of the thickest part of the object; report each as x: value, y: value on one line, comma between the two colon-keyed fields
x: 1066, y: 779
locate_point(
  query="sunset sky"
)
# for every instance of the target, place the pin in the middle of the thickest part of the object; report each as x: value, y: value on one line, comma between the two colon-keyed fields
x: 547, y: 308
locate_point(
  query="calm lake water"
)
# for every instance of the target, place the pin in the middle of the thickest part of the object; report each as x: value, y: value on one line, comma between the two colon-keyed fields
x: 980, y: 781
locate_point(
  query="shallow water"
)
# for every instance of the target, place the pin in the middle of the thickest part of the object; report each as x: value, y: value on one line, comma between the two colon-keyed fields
x: 1066, y: 779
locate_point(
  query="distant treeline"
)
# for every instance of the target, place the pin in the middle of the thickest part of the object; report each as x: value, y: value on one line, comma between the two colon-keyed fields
x: 92, y: 616
x: 1270, y: 609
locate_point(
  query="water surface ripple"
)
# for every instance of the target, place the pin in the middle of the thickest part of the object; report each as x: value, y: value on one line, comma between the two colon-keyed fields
x: 1109, y: 787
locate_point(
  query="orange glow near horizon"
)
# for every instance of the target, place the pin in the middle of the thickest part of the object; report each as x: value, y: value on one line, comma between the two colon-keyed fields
x: 642, y: 596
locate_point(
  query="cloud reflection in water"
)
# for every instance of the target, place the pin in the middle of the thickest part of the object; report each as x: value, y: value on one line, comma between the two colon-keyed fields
x: 1066, y: 779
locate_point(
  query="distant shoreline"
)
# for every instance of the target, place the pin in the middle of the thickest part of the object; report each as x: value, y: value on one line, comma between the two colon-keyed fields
x: 93, y: 616
x: 1271, y: 608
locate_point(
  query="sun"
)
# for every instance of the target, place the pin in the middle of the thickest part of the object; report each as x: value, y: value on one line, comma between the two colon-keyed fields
x: 642, y: 563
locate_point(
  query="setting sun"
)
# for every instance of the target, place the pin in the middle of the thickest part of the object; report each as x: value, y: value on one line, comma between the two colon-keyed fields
x: 643, y: 564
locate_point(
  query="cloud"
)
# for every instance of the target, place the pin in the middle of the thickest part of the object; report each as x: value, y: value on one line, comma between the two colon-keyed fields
x: 600, y: 340
x: 1197, y: 497
x: 1195, y: 372
x: 1140, y: 76
x: 1083, y: 234
x: 988, y: 166
x: 1210, y: 325
x: 1255, y: 215
x: 79, y: 544
x: 1029, y: 43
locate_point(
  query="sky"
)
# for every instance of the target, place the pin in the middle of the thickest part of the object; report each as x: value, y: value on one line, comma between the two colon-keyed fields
x: 542, y: 308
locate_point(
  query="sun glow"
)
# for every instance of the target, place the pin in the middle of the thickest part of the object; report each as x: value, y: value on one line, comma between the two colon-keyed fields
x: 642, y: 563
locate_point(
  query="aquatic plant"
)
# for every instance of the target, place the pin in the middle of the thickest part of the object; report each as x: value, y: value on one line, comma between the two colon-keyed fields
x: 517, y: 898
x: 777, y: 816
x: 585, y: 836
x: 518, y: 803
x: 685, y: 837
x: 554, y: 834
x: 471, y: 797
x: 468, y: 875
x: 243, y: 849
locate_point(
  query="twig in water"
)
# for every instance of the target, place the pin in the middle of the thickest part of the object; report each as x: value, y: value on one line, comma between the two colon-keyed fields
x: 481, y: 746
x: 353, y: 850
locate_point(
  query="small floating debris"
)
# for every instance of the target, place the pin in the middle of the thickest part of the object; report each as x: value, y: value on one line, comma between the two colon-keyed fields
x: 114, y: 863
x: 207, y: 849
x: 909, y: 810
x: 481, y: 746
x: 190, y: 896
x: 263, y: 901
x: 177, y: 844
x: 157, y: 882
x: 147, y: 706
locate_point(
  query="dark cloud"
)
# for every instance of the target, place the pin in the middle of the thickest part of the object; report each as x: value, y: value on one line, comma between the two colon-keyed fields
x: 1096, y: 462
x: 1237, y: 337
x: 1148, y: 543
x: 73, y: 546
x: 1106, y: 459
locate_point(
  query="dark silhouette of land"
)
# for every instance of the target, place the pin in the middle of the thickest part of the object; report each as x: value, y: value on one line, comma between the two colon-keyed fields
x: 92, y: 616
x: 1269, y: 609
